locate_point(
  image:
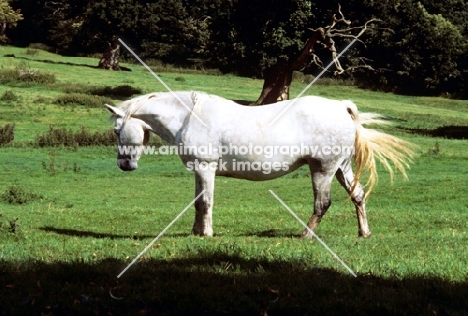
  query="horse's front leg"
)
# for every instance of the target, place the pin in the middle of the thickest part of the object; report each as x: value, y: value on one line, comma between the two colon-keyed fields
x: 203, y: 225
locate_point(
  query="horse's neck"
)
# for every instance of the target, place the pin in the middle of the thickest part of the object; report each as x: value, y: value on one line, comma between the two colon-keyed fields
x: 168, y: 118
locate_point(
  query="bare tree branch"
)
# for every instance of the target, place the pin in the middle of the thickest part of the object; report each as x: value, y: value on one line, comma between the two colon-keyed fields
x: 56, y: 6
x: 278, y: 78
x: 335, y: 21
x: 328, y: 32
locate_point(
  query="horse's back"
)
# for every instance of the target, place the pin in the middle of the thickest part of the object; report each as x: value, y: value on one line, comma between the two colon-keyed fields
x: 305, y: 109
x: 307, y: 120
x: 319, y: 117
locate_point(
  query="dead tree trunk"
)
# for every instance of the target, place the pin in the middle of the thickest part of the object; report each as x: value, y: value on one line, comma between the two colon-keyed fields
x: 277, y: 79
x: 3, y: 28
x: 110, y: 57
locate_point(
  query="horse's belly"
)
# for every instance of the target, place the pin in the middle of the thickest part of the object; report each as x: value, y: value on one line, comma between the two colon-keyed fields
x: 256, y: 170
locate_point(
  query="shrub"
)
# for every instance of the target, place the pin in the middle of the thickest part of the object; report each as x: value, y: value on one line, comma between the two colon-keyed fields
x: 84, y: 138
x: 53, y: 166
x: 335, y: 82
x: 118, y: 92
x: 92, y: 101
x: 13, y: 225
x: 55, y: 137
x: 9, y: 95
x: 62, y: 137
x: 23, y: 75
x: 4, y: 40
x: 7, y: 134
x: 297, y: 76
x: 40, y: 46
x: 15, y: 194
x: 73, y: 87
x: 32, y: 51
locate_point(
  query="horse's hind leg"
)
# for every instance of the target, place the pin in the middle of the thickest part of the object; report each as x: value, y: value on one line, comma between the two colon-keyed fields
x: 345, y: 177
x: 321, y: 184
x: 204, y: 180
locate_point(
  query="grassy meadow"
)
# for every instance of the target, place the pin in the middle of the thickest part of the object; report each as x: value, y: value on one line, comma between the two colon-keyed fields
x: 71, y: 221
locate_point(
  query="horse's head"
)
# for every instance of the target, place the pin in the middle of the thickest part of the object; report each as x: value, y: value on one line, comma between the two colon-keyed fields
x: 132, y: 134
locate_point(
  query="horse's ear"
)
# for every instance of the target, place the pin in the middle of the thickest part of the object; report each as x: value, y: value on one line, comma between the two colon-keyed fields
x: 115, y: 111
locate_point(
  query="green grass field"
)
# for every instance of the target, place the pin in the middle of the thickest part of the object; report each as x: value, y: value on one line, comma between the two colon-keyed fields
x: 82, y: 220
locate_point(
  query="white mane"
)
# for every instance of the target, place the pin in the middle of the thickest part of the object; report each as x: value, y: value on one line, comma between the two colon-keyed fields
x: 131, y: 106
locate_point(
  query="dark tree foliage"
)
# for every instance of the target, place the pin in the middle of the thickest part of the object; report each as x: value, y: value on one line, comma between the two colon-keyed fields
x: 80, y: 27
x: 177, y: 35
x: 425, y: 53
x: 168, y: 30
x: 251, y: 36
x: 33, y: 28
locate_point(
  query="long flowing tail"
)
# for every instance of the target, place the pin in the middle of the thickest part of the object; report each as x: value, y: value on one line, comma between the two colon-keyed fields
x: 371, y: 144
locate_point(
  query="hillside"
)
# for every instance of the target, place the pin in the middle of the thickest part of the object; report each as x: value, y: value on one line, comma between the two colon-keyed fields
x: 71, y: 220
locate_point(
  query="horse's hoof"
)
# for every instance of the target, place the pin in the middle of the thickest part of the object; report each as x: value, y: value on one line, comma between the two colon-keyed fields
x: 202, y: 233
x: 306, y: 234
x: 365, y: 234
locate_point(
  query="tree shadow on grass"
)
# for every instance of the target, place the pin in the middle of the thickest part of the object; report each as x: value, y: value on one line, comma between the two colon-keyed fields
x: 448, y: 131
x: 216, y: 283
x: 85, y: 233
x: 244, y: 102
x: 48, y: 61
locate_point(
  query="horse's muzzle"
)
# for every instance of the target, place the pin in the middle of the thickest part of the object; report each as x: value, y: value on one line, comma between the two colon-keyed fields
x: 127, y: 164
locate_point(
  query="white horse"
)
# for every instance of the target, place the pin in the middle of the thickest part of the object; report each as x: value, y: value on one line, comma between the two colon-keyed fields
x: 257, y: 143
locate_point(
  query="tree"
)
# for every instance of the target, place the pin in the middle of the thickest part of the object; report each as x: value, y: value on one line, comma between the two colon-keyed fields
x: 66, y: 20
x: 8, y: 18
x: 169, y: 30
x: 271, y: 40
x: 110, y: 57
x: 419, y: 47
x: 278, y: 78
x: 83, y: 27
x: 425, y: 53
x: 251, y: 36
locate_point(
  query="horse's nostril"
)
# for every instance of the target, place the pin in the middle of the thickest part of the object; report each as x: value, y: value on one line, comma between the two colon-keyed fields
x: 126, y: 164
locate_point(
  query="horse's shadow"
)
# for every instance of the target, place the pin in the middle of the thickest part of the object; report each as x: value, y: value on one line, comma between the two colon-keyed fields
x: 272, y: 233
